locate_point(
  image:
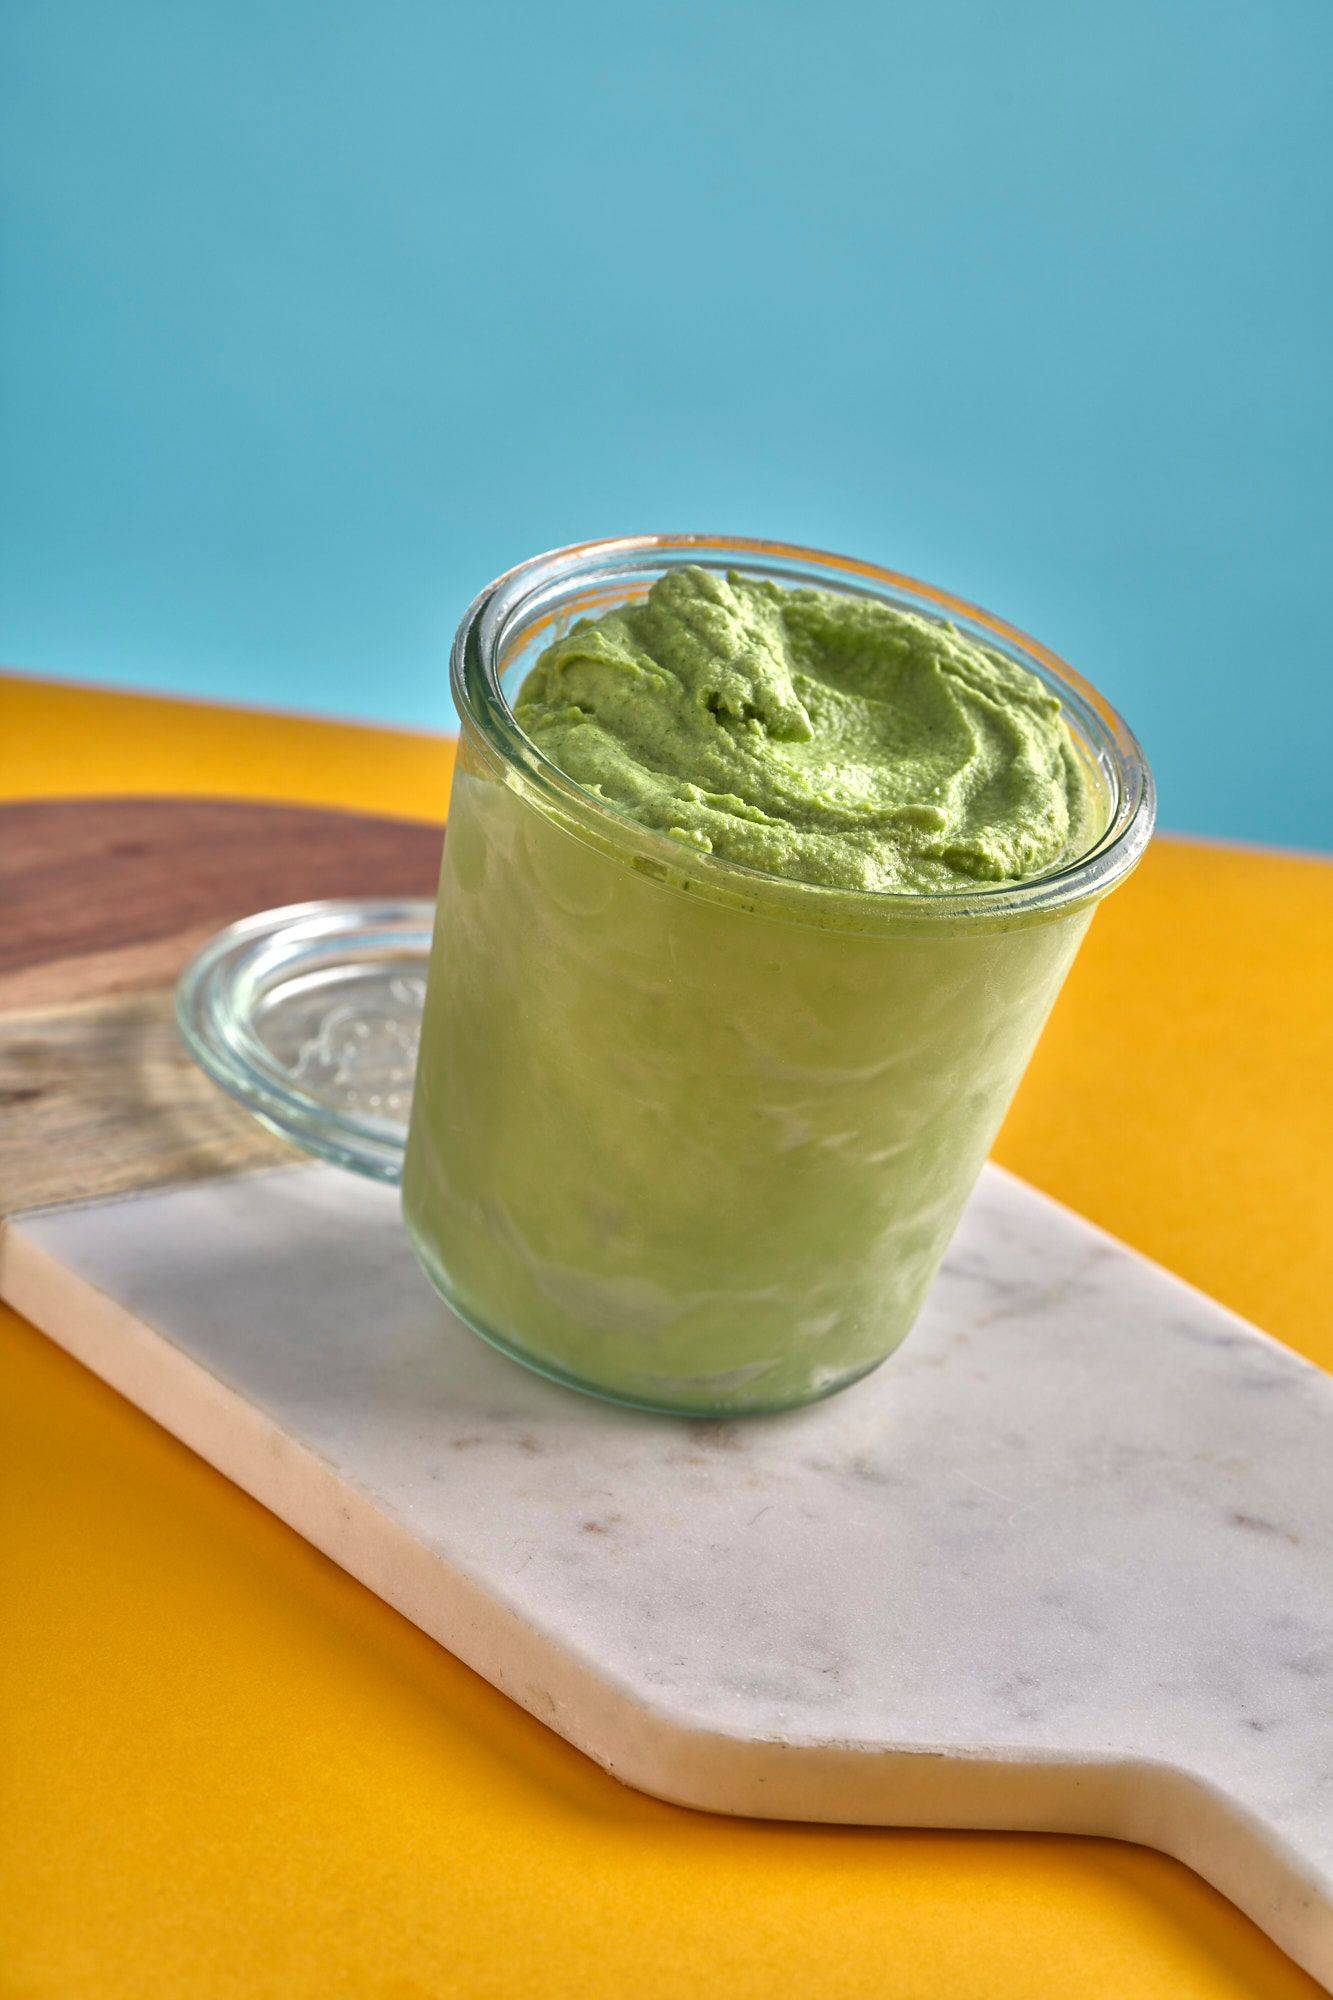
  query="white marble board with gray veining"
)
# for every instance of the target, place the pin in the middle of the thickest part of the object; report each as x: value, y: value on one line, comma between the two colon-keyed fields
x: 1065, y: 1562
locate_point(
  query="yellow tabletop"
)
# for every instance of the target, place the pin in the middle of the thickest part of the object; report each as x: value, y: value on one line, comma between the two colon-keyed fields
x: 226, y: 1769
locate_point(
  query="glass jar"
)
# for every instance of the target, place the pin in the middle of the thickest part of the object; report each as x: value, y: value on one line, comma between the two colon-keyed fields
x: 687, y: 1135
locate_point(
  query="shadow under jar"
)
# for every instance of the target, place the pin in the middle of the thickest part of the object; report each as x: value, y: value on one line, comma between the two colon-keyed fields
x: 687, y: 1135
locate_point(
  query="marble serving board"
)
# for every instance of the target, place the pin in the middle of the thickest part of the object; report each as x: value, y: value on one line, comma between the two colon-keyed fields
x: 1061, y: 1563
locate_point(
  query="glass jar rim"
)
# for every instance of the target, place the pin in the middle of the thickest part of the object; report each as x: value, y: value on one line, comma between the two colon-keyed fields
x: 582, y: 577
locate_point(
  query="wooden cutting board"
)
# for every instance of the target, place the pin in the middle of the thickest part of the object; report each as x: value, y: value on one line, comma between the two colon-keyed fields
x: 104, y: 901
x: 1065, y: 1563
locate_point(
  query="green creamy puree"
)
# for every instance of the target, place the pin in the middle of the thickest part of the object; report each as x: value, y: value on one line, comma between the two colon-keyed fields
x: 704, y: 1152
x: 826, y: 738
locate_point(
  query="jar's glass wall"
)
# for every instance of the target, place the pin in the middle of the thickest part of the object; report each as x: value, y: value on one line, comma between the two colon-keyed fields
x: 688, y: 1157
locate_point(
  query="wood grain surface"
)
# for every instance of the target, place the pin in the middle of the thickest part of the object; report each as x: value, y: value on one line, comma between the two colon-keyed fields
x: 102, y: 903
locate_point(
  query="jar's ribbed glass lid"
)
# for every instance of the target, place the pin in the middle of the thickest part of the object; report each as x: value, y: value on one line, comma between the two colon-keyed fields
x: 310, y: 1016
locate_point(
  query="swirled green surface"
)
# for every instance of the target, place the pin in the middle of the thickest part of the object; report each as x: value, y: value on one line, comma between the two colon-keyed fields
x: 823, y: 737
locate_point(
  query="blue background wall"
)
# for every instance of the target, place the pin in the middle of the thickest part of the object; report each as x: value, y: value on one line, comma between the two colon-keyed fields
x: 316, y: 316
